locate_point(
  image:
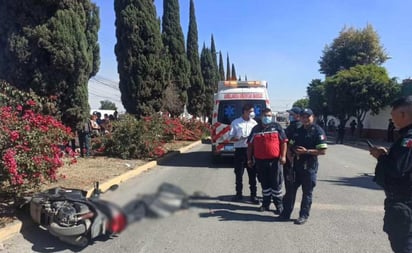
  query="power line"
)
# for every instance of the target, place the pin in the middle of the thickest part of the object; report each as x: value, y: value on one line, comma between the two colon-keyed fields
x: 105, y: 84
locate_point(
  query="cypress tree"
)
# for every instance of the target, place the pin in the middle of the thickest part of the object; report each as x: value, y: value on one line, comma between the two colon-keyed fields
x: 206, y: 63
x: 228, y: 76
x: 233, y: 72
x: 173, y: 40
x: 51, y: 47
x: 139, y: 56
x: 196, y: 91
x: 213, y: 51
x: 214, y: 59
x: 221, y: 68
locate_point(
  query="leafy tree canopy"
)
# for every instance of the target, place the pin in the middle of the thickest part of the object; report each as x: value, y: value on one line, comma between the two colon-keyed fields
x: 173, y: 40
x: 139, y: 54
x: 316, y: 95
x: 107, y: 105
x: 358, y: 90
x: 406, y: 87
x: 302, y: 103
x: 51, y: 48
x: 209, y: 77
x: 196, y: 91
x: 352, y: 47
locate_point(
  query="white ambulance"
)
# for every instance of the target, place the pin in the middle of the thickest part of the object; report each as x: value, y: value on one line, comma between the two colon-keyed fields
x: 228, y: 103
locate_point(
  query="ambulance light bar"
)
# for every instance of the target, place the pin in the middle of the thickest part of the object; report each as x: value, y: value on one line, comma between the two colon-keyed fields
x: 239, y: 84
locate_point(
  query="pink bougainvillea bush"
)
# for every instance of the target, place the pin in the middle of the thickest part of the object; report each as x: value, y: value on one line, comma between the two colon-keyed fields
x: 145, y: 138
x: 30, y: 148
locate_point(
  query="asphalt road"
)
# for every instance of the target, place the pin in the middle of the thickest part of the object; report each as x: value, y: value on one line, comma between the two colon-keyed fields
x: 346, y: 213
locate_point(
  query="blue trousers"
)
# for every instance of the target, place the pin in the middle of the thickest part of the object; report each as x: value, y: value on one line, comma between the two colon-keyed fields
x: 305, y: 177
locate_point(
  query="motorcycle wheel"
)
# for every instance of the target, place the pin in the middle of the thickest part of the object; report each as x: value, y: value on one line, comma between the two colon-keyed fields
x: 68, y: 231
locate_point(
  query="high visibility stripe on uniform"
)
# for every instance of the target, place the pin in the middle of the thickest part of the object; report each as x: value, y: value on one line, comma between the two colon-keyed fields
x: 322, y: 146
x: 267, y: 192
x: 276, y: 193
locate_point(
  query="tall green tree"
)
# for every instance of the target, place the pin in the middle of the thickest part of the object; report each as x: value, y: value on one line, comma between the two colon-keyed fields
x: 196, y: 91
x: 234, y: 77
x: 228, y: 75
x: 206, y: 63
x: 215, y: 64
x: 221, y: 67
x: 173, y: 40
x: 51, y: 47
x: 317, y: 98
x: 406, y: 87
x: 213, y: 51
x: 352, y: 47
x: 302, y: 103
x: 107, y: 105
x: 358, y: 90
x: 139, y: 56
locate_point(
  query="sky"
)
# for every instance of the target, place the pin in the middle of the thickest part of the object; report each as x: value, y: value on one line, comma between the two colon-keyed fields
x: 278, y: 41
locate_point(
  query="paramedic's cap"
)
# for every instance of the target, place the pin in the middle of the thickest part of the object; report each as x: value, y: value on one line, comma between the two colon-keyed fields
x: 306, y: 111
x: 295, y: 110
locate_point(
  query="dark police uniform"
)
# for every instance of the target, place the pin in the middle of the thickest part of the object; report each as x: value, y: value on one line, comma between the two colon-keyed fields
x: 305, y: 168
x: 266, y: 141
x: 288, y: 172
x: 394, y: 173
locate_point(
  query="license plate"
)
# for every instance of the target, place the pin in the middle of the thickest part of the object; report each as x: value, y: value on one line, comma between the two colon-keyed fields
x: 229, y: 148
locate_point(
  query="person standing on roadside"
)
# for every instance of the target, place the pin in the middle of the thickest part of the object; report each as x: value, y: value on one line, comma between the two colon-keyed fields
x: 288, y: 173
x: 240, y: 129
x: 84, y: 135
x: 394, y: 173
x: 353, y: 125
x: 268, y: 144
x: 341, y: 133
x: 308, y: 142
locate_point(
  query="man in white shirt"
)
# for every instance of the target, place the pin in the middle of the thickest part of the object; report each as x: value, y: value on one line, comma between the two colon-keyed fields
x: 239, y: 132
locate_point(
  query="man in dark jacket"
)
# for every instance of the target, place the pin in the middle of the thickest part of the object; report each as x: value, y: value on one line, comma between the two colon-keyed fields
x: 307, y: 142
x: 394, y: 173
x: 294, y: 124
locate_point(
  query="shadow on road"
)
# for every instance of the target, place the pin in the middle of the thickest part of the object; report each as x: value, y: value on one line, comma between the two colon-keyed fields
x: 41, y: 239
x: 196, y: 159
x: 226, y: 210
x: 358, y: 142
x: 363, y: 180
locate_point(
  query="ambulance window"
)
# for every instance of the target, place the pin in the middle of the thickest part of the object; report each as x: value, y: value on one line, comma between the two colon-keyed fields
x: 232, y: 109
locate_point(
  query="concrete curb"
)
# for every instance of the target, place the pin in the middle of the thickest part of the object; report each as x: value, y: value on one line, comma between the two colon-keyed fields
x: 14, y: 228
x: 10, y: 230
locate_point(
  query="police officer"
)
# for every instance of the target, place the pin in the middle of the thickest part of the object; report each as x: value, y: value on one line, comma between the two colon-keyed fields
x: 308, y: 142
x: 394, y: 173
x: 268, y: 145
x: 239, y: 132
x: 294, y: 124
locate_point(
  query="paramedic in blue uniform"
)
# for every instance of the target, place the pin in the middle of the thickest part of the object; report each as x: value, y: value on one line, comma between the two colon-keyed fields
x: 268, y: 145
x: 394, y: 173
x: 308, y: 142
x: 240, y: 129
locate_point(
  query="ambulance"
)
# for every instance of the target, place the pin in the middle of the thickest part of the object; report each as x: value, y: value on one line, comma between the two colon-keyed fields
x: 228, y: 104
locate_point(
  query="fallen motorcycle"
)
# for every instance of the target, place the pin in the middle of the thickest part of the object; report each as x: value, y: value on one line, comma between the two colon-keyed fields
x: 75, y: 219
